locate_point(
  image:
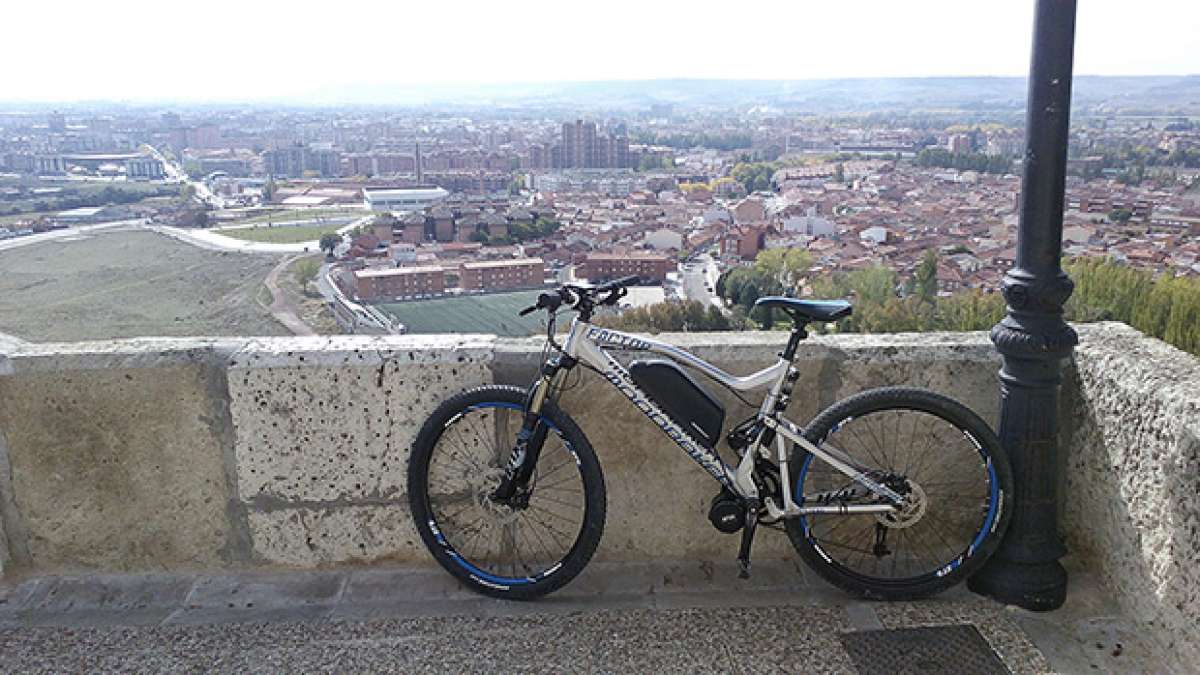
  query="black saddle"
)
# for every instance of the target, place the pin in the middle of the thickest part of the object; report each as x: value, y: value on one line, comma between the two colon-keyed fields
x: 807, y: 310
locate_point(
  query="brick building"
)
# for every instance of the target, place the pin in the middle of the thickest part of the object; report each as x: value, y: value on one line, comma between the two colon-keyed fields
x: 604, y: 266
x: 400, y: 282
x: 744, y: 242
x: 501, y: 274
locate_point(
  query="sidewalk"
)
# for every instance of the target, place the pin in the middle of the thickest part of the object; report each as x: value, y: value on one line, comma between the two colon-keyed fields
x: 685, y: 617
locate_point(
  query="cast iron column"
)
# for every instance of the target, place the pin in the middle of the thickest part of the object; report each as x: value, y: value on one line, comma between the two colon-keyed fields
x: 1033, y: 338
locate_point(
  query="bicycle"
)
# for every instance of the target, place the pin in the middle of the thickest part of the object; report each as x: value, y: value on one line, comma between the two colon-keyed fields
x: 893, y: 493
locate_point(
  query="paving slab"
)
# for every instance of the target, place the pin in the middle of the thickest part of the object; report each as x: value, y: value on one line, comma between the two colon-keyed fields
x: 248, y: 591
x: 257, y: 598
x: 670, y: 617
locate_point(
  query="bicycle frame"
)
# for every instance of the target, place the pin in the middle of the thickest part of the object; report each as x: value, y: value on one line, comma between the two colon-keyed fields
x: 587, y: 343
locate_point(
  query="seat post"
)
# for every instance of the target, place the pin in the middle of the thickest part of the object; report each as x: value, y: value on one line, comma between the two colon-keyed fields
x: 798, y: 334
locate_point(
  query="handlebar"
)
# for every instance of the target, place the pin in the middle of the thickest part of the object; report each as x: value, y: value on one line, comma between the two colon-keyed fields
x: 582, y: 298
x: 618, y: 283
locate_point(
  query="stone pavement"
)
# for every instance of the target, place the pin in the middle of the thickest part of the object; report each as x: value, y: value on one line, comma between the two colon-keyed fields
x: 681, y: 617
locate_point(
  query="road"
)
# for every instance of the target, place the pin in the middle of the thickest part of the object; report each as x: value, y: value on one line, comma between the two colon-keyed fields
x: 78, y: 230
x: 213, y: 239
x: 283, y: 310
x: 176, y: 174
x: 699, y: 279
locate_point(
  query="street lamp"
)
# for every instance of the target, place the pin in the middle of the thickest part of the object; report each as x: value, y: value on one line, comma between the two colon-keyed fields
x: 1032, y: 337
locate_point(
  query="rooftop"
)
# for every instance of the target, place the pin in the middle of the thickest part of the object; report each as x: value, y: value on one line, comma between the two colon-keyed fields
x: 405, y: 193
x: 395, y: 271
x: 489, y: 264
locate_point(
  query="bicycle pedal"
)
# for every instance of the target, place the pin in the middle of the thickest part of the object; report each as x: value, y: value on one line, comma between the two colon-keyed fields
x: 743, y: 569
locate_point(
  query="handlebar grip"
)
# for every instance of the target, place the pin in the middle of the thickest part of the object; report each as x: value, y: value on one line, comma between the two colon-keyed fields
x: 550, y: 301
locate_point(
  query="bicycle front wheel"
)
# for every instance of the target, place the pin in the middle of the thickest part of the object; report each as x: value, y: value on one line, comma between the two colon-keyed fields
x: 942, y: 457
x: 521, y: 549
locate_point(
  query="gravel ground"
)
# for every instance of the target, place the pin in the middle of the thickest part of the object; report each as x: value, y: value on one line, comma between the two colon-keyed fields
x: 773, y: 639
x: 128, y: 283
x: 618, y: 617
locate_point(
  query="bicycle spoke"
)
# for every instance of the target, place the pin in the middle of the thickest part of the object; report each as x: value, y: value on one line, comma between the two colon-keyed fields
x: 938, y: 459
x: 515, y: 540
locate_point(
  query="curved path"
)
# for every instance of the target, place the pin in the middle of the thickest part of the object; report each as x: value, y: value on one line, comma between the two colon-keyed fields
x: 281, y: 308
x: 213, y: 239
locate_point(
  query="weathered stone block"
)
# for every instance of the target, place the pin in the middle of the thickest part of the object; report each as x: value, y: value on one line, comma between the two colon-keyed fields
x: 116, y: 469
x: 1132, y: 499
x: 331, y: 420
x: 310, y: 537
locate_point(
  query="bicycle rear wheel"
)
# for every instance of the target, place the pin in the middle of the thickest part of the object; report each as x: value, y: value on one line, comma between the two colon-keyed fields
x: 945, y: 460
x: 518, y: 550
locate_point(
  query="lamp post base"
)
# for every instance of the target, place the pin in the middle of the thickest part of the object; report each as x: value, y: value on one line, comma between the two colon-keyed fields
x: 1038, y: 587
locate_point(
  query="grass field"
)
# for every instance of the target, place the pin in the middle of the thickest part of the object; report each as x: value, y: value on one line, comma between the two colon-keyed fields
x: 130, y: 283
x: 291, y: 234
x: 492, y: 313
x: 285, y: 215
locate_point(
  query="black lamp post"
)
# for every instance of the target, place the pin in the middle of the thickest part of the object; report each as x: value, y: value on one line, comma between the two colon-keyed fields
x: 1033, y: 338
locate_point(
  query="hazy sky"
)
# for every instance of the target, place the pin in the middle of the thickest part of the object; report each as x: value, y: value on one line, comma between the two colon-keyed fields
x: 253, y: 49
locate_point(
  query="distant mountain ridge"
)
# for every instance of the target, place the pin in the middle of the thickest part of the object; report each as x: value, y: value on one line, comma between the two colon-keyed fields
x: 1164, y: 93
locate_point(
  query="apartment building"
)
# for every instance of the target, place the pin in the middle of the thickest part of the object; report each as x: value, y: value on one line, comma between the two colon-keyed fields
x: 604, y: 266
x: 502, y: 274
x: 399, y: 283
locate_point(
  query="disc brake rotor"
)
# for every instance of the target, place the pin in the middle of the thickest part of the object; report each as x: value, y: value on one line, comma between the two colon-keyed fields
x: 910, y: 512
x: 483, y: 484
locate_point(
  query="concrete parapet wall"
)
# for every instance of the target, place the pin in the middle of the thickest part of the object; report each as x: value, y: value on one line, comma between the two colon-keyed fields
x: 155, y: 454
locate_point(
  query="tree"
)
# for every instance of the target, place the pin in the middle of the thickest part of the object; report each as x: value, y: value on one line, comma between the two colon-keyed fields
x: 306, y: 270
x: 268, y: 191
x: 748, y: 295
x: 187, y: 193
x: 873, y: 284
x: 515, y: 186
x: 839, y: 173
x: 1120, y: 216
x: 780, y: 269
x: 689, y: 315
x: 926, y: 277
x: 969, y: 310
x: 329, y: 242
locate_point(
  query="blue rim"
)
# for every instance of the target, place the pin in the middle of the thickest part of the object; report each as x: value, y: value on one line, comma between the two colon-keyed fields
x: 988, y: 522
x: 482, y: 575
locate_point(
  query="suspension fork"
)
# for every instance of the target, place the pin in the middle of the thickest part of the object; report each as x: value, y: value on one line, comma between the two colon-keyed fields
x: 528, y: 446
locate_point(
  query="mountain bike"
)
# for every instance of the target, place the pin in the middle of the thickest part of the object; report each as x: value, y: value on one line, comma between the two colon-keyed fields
x: 893, y: 493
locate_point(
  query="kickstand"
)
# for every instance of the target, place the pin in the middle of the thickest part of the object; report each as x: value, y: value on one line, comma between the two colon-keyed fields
x: 747, y: 540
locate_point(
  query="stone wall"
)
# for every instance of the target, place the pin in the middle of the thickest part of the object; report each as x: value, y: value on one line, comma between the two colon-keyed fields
x: 1132, y: 497
x: 156, y: 454
x: 159, y: 454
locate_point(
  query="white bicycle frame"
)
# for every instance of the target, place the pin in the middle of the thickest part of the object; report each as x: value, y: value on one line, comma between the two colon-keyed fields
x: 587, y: 343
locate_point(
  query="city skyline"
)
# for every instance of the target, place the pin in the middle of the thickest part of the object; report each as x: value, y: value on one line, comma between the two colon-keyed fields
x: 249, y: 53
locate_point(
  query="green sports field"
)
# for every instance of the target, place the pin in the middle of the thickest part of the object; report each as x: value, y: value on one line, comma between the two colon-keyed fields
x: 291, y: 234
x: 492, y: 313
